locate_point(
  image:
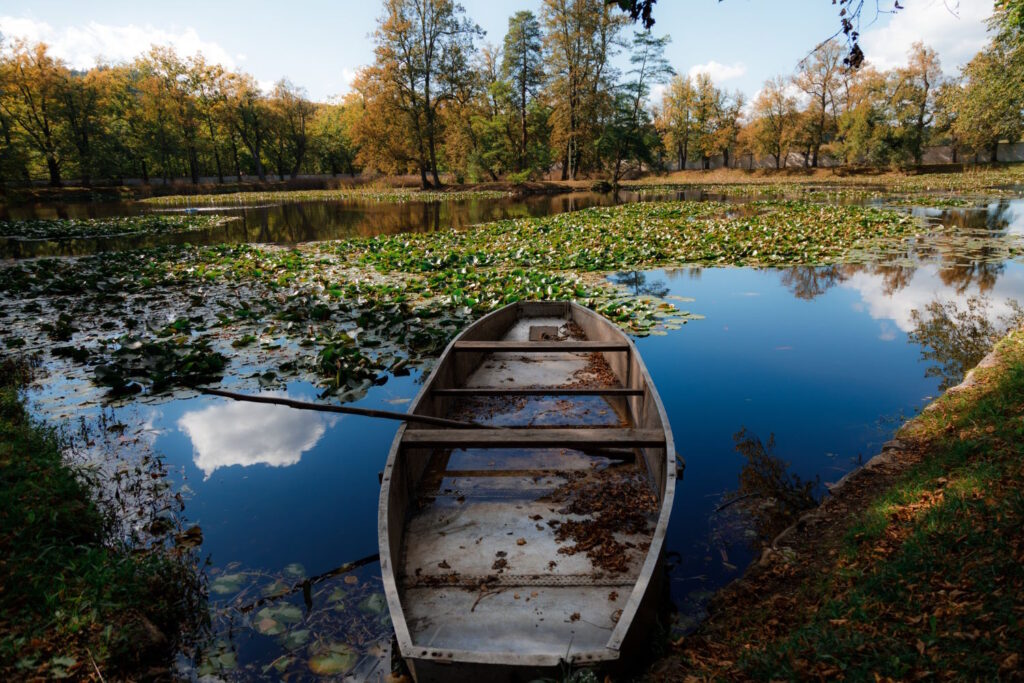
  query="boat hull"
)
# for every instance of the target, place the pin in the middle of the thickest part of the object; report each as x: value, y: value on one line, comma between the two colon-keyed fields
x: 517, y: 619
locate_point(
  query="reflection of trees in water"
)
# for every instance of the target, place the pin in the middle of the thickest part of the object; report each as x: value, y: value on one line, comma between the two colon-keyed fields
x: 962, y: 275
x: 995, y: 219
x: 810, y: 282
x: 894, y: 277
x: 955, y: 339
x: 769, y: 494
x: 638, y: 283
x: 692, y: 273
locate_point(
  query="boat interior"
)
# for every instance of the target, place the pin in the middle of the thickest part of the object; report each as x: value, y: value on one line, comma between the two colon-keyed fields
x: 528, y: 536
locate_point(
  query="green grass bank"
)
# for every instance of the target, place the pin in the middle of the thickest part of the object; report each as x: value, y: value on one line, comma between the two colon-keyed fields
x: 76, y: 600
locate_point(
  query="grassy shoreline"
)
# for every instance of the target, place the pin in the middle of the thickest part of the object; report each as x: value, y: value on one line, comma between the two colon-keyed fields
x: 76, y: 599
x: 913, y: 567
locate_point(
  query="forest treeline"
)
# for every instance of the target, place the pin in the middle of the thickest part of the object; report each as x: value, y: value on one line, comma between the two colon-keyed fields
x: 438, y: 100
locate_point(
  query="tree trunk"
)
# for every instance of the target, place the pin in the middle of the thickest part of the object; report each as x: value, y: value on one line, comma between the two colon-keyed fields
x: 522, y: 123
x: 565, y: 164
x: 216, y: 154
x: 995, y: 152
x: 193, y: 164
x: 424, y: 184
x: 433, y: 161
x: 725, y: 157
x: 814, y: 157
x: 234, y: 156
x: 54, y: 169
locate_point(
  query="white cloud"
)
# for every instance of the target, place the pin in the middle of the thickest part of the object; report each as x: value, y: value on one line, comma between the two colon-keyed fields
x: 658, y: 93
x: 718, y: 72
x: 82, y: 46
x: 953, y: 28
x: 926, y: 286
x: 247, y: 434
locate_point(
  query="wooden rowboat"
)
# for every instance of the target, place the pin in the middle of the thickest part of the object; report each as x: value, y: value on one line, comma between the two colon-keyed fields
x: 533, y: 541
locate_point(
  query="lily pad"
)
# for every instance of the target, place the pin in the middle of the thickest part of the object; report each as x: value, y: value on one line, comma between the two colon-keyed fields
x: 295, y: 570
x: 374, y: 604
x: 226, y: 584
x: 337, y: 659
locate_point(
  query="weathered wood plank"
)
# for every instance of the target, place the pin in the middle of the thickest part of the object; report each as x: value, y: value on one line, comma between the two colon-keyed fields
x: 582, y: 438
x: 539, y: 346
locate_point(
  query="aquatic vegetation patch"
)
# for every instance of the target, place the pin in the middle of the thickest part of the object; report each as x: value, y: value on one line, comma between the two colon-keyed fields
x: 327, y: 625
x: 390, y: 196
x: 1000, y: 181
x: 69, y: 228
x: 353, y: 312
x: 644, y: 234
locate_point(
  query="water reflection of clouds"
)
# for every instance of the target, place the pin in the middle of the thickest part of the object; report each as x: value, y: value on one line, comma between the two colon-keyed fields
x: 924, y: 287
x: 247, y: 434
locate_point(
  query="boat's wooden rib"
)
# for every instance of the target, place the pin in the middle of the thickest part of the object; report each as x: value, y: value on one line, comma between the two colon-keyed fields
x: 479, y: 581
x: 533, y: 438
x: 538, y: 346
x: 537, y: 391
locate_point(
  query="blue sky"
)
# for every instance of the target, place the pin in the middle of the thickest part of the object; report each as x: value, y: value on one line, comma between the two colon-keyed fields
x: 319, y: 45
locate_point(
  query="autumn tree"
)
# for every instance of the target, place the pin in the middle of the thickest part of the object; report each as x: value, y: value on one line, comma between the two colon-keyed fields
x: 913, y: 98
x: 727, y: 126
x: 422, y: 57
x: 581, y: 36
x: 865, y: 132
x: 774, y: 120
x: 249, y: 117
x: 332, y: 132
x: 78, y: 103
x: 990, y: 103
x: 706, y: 116
x: 675, y: 119
x: 291, y: 112
x: 31, y: 79
x: 818, y: 76
x: 522, y: 67
x: 211, y: 102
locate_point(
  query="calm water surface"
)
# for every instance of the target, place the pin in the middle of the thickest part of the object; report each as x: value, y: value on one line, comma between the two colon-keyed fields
x: 817, y: 357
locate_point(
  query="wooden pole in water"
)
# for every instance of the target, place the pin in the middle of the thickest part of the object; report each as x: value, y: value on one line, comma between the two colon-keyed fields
x: 346, y: 410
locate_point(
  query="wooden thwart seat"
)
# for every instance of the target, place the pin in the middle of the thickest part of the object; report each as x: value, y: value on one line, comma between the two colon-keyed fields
x: 538, y: 346
x: 582, y: 438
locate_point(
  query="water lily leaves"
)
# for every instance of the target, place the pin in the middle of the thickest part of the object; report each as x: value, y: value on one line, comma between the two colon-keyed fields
x: 295, y: 571
x: 274, y: 620
x: 375, y: 604
x: 334, y: 660
x: 295, y: 639
x: 75, y: 228
x: 218, y: 660
x: 275, y: 588
x: 226, y: 584
x: 269, y: 627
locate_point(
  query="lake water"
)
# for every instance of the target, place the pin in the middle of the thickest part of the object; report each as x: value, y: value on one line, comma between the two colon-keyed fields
x: 818, y: 357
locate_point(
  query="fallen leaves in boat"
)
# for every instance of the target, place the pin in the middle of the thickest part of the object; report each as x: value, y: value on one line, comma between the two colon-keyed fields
x: 612, y: 502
